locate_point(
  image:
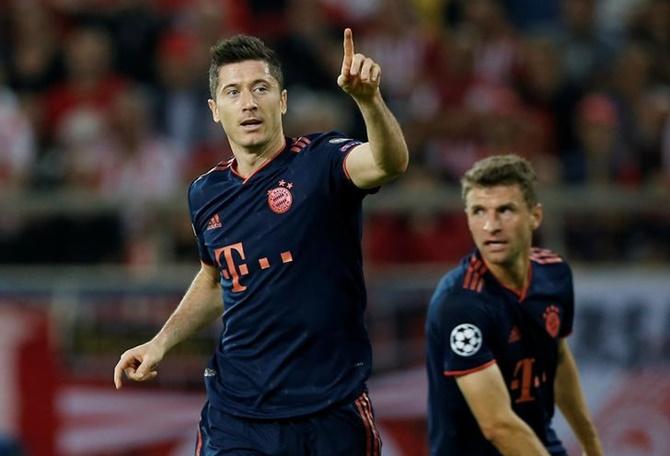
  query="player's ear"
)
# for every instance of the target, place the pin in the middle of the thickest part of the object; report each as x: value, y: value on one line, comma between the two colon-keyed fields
x: 215, y: 111
x: 284, y: 101
x: 536, y: 216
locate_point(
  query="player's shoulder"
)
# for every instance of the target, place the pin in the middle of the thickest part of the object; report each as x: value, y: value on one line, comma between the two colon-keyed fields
x: 330, y: 140
x: 453, y: 303
x: 198, y: 185
x: 463, y: 285
x: 549, y: 261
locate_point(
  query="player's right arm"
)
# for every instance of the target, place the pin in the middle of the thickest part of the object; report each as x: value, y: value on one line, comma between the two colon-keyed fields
x: 200, y: 306
x: 489, y: 401
x: 570, y: 400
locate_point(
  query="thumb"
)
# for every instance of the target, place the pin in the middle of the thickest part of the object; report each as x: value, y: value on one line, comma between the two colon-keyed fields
x: 144, y: 369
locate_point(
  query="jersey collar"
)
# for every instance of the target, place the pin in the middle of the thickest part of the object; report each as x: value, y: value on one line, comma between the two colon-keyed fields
x: 520, y: 294
x: 275, y: 159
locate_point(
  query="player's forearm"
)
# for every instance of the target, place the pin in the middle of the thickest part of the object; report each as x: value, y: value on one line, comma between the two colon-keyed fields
x: 200, y: 306
x: 514, y: 437
x: 571, y: 402
x: 385, y: 137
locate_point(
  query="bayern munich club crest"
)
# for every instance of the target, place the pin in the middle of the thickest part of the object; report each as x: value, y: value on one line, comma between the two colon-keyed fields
x: 280, y: 198
x: 552, y: 320
x: 466, y: 339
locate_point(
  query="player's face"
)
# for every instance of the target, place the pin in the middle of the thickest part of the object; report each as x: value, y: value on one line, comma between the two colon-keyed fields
x: 249, y: 105
x: 501, y: 223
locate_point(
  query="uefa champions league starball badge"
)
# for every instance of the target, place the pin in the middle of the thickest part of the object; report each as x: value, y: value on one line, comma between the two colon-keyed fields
x: 466, y: 339
x: 280, y: 198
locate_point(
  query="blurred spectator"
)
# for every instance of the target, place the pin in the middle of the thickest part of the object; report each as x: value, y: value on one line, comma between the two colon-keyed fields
x: 81, y: 151
x: 650, y: 25
x: 17, y: 142
x: 496, y: 45
x: 653, y: 124
x: 612, y: 16
x: 143, y: 170
x: 142, y: 165
x: 210, y: 20
x: 437, y: 101
x: 90, y: 85
x: 400, y: 47
x: 586, y: 53
x: 135, y: 28
x: 632, y: 90
x: 449, y: 80
x: 310, y: 48
x: 550, y: 99
x: 34, y: 57
x: 17, y: 154
x: 182, y: 91
x: 601, y: 159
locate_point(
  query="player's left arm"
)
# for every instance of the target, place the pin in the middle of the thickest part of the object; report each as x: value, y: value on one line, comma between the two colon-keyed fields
x: 385, y: 155
x: 570, y: 400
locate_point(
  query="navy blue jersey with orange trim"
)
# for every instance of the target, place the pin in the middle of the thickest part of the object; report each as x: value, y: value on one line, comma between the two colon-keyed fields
x: 473, y: 321
x: 286, y: 241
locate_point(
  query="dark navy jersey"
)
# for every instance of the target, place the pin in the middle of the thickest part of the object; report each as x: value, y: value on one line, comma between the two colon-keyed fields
x: 473, y: 321
x: 286, y: 241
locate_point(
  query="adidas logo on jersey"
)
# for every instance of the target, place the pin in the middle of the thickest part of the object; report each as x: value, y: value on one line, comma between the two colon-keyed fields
x: 214, y: 222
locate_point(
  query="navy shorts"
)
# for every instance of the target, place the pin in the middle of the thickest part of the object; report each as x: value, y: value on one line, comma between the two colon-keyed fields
x: 343, y: 430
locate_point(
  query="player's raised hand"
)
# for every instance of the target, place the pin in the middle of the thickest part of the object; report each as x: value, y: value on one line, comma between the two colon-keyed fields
x: 360, y: 75
x: 138, y: 364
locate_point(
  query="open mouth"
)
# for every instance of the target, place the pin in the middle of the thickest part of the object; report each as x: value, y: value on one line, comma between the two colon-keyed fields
x: 495, y: 243
x: 251, y: 122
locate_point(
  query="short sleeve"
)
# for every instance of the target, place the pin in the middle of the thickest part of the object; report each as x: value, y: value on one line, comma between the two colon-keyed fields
x: 336, y: 147
x: 203, y: 251
x: 467, y: 332
x: 569, y: 306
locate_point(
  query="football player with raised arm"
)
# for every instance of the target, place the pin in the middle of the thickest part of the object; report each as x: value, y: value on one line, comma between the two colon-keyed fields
x: 278, y: 229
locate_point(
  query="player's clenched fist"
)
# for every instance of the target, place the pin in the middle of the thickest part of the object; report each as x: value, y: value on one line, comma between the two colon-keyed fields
x: 360, y: 75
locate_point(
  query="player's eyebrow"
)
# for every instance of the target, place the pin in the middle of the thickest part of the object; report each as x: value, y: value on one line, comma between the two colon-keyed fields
x: 231, y: 85
x: 236, y: 85
x: 510, y: 205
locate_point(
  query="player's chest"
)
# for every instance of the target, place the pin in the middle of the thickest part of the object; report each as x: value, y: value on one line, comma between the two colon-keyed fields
x: 529, y: 326
x: 527, y: 345
x: 261, y: 204
x: 262, y: 222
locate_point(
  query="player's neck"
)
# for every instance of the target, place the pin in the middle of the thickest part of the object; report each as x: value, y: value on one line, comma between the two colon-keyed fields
x: 514, y: 276
x: 249, y: 160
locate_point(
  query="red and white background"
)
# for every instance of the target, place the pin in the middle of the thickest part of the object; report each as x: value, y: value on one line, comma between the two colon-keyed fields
x: 58, y: 349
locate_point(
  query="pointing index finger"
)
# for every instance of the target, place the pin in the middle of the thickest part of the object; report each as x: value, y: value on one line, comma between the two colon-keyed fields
x: 348, y: 44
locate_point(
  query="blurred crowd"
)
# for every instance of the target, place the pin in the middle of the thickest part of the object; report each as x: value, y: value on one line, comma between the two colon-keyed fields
x: 109, y: 97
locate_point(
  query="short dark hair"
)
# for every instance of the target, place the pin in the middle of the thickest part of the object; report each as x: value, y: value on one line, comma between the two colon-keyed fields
x: 238, y: 49
x: 502, y: 170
